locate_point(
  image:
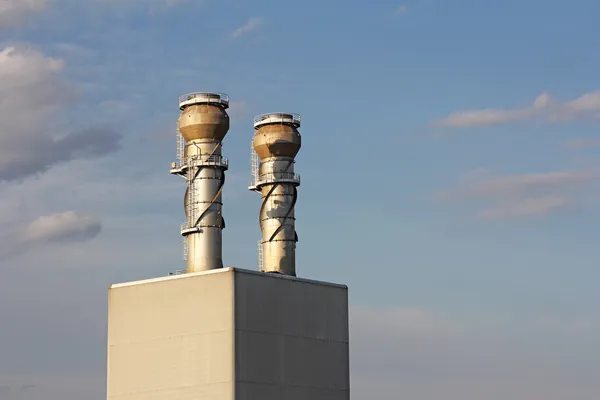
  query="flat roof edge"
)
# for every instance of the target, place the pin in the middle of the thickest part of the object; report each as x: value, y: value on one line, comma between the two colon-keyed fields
x: 170, y: 277
x: 293, y: 278
x: 224, y: 270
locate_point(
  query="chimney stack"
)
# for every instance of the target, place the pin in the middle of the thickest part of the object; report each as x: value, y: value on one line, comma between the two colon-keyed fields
x: 276, y: 142
x: 202, y: 125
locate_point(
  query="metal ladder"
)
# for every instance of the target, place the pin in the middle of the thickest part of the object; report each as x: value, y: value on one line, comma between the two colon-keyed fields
x: 180, y: 147
x: 254, y: 163
x: 260, y: 256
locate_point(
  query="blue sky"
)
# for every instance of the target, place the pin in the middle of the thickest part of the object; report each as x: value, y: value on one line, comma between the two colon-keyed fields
x: 449, y: 176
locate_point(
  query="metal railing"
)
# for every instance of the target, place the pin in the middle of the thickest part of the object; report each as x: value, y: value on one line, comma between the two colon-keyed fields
x: 177, y: 272
x: 277, y: 118
x: 184, y: 226
x: 203, y: 98
x: 273, y: 177
x: 214, y: 160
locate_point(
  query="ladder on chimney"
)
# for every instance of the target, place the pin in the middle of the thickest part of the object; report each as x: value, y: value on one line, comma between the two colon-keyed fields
x: 254, y: 165
x: 180, y: 149
x: 260, y: 256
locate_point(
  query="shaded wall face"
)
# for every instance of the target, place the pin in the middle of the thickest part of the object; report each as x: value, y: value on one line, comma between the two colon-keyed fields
x: 291, y: 339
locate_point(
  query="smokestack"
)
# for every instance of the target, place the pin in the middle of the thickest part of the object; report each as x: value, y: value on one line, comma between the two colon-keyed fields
x: 276, y: 142
x: 202, y: 125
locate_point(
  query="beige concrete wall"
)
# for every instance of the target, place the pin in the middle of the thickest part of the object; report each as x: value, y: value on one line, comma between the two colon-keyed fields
x: 172, y: 339
x: 291, y: 339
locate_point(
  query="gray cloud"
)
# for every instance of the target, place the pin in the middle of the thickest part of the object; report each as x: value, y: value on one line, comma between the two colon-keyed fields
x: 63, y: 227
x: 521, y: 195
x: 545, y: 107
x: 59, y: 228
x: 34, y: 95
x: 14, y: 13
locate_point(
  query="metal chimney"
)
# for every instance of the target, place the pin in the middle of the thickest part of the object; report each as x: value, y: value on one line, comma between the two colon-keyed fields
x: 202, y: 125
x: 276, y: 142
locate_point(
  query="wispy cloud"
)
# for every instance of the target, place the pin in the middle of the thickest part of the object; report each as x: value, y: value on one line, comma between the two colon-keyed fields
x: 32, y: 142
x: 251, y: 25
x: 520, y: 195
x: 69, y: 226
x: 13, y: 13
x: 528, y: 206
x: 58, y: 228
x: 544, y: 107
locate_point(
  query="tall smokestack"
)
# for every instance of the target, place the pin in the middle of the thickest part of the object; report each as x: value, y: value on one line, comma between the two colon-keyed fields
x: 202, y: 124
x: 276, y: 142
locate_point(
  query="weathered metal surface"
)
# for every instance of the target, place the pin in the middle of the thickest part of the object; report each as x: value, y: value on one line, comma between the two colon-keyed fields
x: 203, y: 123
x: 277, y: 141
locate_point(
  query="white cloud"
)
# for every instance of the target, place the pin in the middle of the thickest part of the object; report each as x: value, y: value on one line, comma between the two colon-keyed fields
x: 69, y: 226
x: 13, y: 13
x: 32, y: 136
x: 521, y: 195
x: 58, y: 228
x: 544, y: 107
x: 251, y: 25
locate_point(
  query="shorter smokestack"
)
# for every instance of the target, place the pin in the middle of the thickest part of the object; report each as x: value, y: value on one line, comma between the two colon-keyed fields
x: 276, y: 142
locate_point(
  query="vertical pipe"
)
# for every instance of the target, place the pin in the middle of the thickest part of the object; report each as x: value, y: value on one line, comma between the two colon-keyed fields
x: 277, y: 141
x: 203, y: 123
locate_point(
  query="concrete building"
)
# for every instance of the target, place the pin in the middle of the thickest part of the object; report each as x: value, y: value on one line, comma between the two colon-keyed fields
x: 228, y: 334
x: 213, y: 333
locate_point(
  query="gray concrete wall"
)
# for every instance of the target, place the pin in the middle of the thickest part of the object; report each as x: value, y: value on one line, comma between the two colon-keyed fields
x: 291, y: 339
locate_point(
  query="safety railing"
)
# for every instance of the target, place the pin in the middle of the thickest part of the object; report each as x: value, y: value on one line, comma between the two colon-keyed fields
x: 214, y: 161
x: 184, y: 227
x: 274, y: 177
x: 203, y: 98
x: 277, y: 118
x: 177, y: 272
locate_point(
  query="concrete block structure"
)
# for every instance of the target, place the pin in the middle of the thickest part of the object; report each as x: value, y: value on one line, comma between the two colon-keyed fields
x: 228, y: 334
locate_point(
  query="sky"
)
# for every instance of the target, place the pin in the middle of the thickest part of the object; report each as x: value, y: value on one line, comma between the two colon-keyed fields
x: 450, y: 167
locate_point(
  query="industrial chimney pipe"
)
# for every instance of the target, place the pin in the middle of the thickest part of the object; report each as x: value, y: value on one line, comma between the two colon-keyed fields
x: 203, y: 124
x: 276, y: 142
